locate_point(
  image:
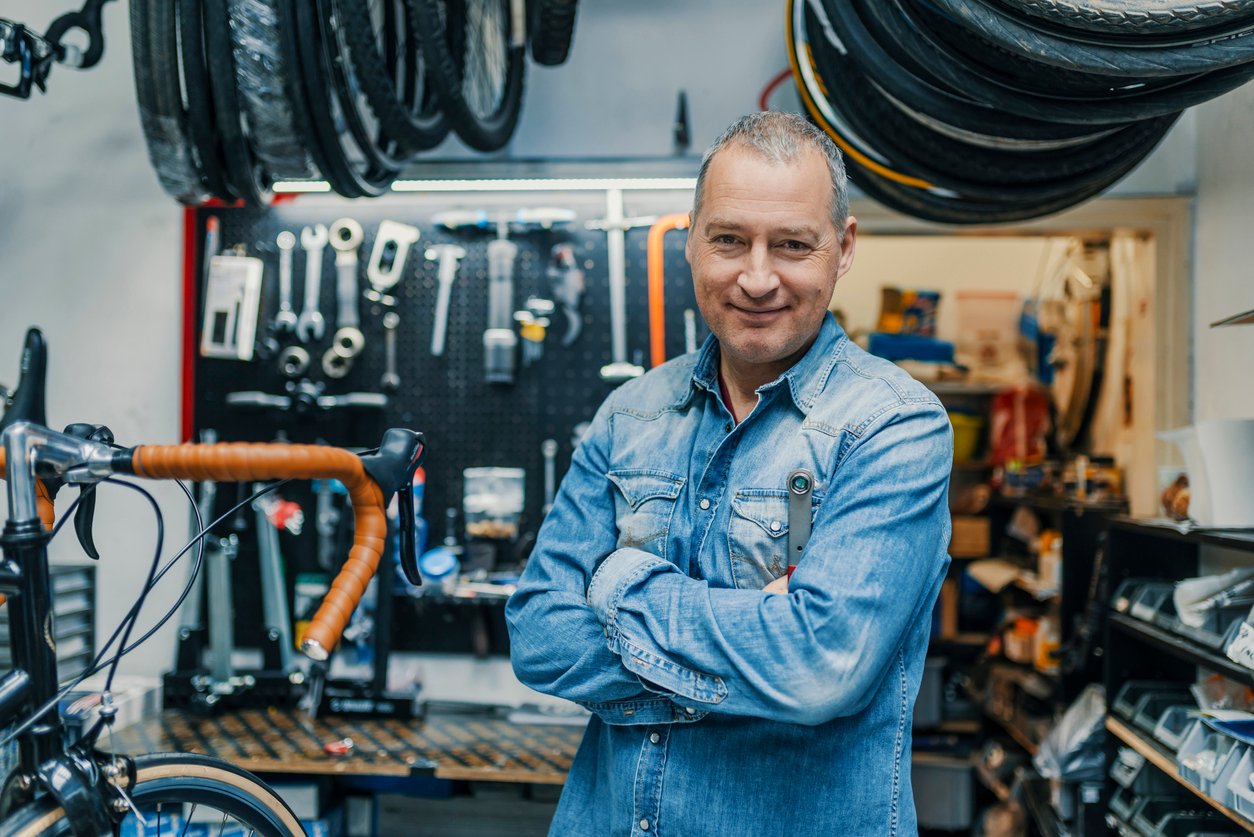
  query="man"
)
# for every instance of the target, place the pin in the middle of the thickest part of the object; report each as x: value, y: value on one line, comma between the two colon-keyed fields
x: 729, y: 699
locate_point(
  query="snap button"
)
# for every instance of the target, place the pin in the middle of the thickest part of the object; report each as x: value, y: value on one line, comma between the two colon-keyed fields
x: 644, y: 825
x: 654, y: 738
x: 689, y: 710
x: 727, y: 428
x: 775, y: 527
x: 705, y: 504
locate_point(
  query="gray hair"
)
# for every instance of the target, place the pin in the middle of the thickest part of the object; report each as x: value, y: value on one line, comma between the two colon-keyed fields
x: 780, y: 137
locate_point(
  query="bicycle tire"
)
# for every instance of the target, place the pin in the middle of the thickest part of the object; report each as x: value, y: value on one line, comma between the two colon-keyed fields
x: 262, y: 77
x: 177, y: 778
x: 1102, y: 59
x: 163, y: 120
x: 478, y: 65
x: 551, y: 30
x: 200, y: 115
x: 1144, y: 16
x: 415, y: 130
x: 247, y: 177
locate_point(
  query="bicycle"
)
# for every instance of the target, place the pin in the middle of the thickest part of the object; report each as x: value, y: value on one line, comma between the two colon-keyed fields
x: 75, y: 787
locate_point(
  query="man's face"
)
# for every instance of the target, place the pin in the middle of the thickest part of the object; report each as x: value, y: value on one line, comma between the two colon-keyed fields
x: 765, y: 255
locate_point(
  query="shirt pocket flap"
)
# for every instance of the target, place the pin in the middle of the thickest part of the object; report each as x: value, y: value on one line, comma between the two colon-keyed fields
x: 640, y: 484
x: 768, y: 508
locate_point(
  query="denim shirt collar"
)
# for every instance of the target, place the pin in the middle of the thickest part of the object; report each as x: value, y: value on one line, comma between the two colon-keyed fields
x: 806, y: 378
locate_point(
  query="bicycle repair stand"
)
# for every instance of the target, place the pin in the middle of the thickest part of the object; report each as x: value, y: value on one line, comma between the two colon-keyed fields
x: 204, y: 685
x: 371, y: 698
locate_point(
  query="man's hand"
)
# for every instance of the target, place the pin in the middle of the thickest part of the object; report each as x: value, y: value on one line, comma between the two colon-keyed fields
x: 779, y: 585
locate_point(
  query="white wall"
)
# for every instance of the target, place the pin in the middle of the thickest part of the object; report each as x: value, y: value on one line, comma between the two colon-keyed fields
x: 1223, y: 358
x: 90, y: 248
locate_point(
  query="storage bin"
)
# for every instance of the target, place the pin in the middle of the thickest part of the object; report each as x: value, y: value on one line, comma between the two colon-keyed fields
x: 1130, y: 770
x: 1131, y: 693
x: 943, y: 792
x: 1125, y: 594
x: 1154, y: 703
x: 1153, y: 810
x: 967, y: 431
x: 1151, y: 599
x: 1216, y: 630
x: 1173, y: 724
x: 1203, y: 758
x: 1123, y: 802
x: 1202, y: 824
x: 1240, y: 792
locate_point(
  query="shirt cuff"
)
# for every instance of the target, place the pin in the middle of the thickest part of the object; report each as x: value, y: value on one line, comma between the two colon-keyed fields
x: 620, y: 569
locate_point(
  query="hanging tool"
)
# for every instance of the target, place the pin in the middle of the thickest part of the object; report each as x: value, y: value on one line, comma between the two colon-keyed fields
x: 232, y: 303
x: 293, y: 362
x: 278, y: 623
x: 499, y: 339
x: 305, y: 397
x: 533, y: 321
x: 656, y: 250
x: 346, y: 236
x: 387, y: 259
x: 285, y: 319
x: 449, y: 257
x: 615, y: 226
x: 310, y: 325
x: 567, y: 283
x: 548, y: 449
x: 391, y: 380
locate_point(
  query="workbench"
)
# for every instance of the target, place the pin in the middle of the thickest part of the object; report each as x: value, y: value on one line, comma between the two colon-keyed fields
x: 455, y: 746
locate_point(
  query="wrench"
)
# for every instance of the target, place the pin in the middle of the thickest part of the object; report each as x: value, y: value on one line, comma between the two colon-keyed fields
x: 285, y: 319
x: 548, y: 449
x: 390, y: 381
x: 449, y: 256
x: 310, y: 325
x: 346, y: 235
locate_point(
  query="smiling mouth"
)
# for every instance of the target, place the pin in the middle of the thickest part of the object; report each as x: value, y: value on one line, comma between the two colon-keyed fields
x: 757, y: 312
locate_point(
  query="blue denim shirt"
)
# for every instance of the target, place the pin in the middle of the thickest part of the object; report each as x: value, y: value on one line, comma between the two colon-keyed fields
x: 720, y: 709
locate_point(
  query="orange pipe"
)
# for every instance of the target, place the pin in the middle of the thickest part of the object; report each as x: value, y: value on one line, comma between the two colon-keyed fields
x: 657, y: 285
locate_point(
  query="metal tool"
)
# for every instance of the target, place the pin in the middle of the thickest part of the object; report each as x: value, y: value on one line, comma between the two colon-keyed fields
x: 449, y: 257
x: 278, y: 622
x: 310, y: 325
x: 387, y: 259
x: 533, y: 323
x: 800, y: 488
x: 390, y: 381
x: 346, y: 236
x: 304, y: 397
x: 567, y: 283
x: 293, y: 362
x: 285, y: 319
x: 615, y: 225
x: 334, y: 364
x: 327, y: 519
x: 548, y: 449
x: 499, y: 339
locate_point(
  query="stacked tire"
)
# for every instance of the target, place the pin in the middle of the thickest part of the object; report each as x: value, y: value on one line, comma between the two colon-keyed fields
x: 988, y: 111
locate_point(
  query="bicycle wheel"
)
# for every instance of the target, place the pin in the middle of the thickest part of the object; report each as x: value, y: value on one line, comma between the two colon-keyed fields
x: 550, y: 28
x: 175, y: 789
x: 475, y: 51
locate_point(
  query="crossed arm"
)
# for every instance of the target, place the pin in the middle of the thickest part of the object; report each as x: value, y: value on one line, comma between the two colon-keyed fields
x: 628, y: 635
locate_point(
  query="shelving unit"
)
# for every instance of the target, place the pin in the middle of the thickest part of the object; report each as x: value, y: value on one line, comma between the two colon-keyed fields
x: 1138, y: 649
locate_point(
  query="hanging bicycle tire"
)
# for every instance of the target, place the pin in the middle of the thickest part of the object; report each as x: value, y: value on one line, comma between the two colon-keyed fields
x: 476, y: 53
x: 551, y: 30
x: 200, y: 113
x: 1139, y: 18
x: 176, y: 789
x: 403, y: 102
x: 264, y: 78
x: 154, y: 53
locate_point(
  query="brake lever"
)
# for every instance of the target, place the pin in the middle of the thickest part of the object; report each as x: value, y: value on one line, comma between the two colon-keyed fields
x: 85, y: 514
x: 409, y: 550
x: 392, y: 468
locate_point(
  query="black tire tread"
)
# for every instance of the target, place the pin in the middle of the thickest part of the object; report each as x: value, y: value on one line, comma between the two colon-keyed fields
x: 551, y: 30
x: 1140, y: 18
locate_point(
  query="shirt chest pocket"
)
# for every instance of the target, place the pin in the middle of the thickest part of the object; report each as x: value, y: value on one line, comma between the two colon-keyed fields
x: 757, y: 537
x: 644, y: 505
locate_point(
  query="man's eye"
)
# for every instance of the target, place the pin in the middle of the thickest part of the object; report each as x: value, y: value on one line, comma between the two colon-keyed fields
x: 725, y: 239
x: 796, y: 246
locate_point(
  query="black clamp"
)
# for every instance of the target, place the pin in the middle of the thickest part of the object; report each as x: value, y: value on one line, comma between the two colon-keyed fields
x: 34, y: 53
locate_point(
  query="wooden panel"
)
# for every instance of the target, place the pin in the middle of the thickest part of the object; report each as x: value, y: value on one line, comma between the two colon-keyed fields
x: 443, y: 746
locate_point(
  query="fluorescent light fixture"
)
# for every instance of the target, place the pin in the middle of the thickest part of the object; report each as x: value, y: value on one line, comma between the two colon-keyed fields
x: 298, y: 186
x: 574, y: 184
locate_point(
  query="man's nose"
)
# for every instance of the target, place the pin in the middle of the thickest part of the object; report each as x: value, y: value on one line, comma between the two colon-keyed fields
x: 758, y: 277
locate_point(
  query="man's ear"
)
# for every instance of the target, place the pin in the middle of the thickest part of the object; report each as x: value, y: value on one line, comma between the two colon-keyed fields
x: 688, y: 238
x: 848, y: 246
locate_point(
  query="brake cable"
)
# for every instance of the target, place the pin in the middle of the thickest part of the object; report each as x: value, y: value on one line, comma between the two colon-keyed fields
x: 34, y: 53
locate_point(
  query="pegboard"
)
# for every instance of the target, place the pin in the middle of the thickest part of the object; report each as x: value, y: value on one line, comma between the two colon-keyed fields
x: 467, y: 422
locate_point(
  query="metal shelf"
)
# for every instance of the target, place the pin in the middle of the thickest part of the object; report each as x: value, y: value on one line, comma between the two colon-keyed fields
x: 1182, y: 648
x: 1167, y: 764
x: 1238, y: 539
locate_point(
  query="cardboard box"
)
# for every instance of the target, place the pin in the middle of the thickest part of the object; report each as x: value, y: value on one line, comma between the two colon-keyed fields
x: 970, y: 536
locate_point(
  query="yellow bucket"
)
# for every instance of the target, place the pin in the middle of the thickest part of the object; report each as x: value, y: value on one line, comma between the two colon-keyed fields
x: 967, y: 430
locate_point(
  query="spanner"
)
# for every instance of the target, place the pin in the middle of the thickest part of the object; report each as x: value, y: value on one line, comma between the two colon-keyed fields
x: 548, y: 449
x: 310, y: 325
x: 390, y: 381
x: 449, y: 256
x: 285, y: 320
x: 346, y: 235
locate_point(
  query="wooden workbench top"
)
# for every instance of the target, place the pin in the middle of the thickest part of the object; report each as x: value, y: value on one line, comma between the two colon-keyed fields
x: 446, y: 746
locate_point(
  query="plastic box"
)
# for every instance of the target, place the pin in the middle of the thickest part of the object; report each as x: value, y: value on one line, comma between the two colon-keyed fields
x: 1150, y: 600
x: 492, y: 499
x: 1130, y: 770
x: 1207, y: 758
x: 943, y: 793
x: 1153, y: 810
x: 1216, y: 630
x: 1123, y: 802
x: 1240, y: 792
x: 1125, y: 594
x: 1128, y: 699
x: 1173, y: 724
x: 1153, y: 704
